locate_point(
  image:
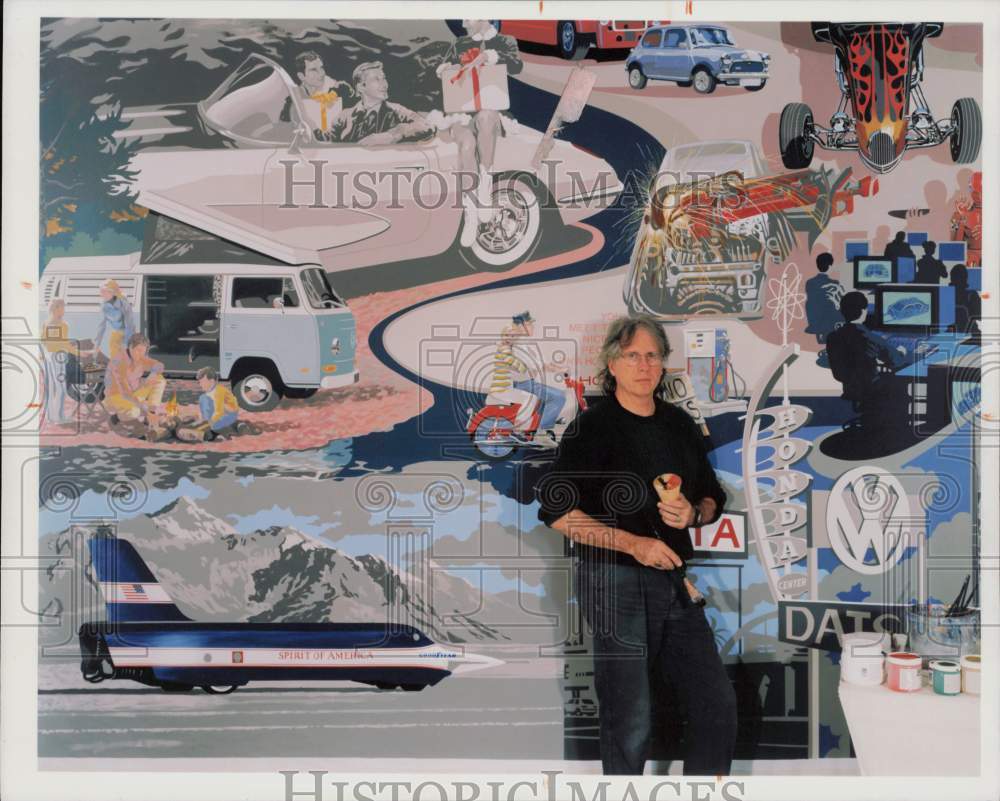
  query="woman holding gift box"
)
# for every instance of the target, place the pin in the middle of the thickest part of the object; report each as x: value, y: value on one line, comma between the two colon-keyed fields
x: 631, y: 476
x: 476, y: 132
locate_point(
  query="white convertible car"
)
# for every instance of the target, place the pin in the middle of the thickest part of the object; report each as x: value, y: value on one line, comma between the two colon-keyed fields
x: 230, y: 165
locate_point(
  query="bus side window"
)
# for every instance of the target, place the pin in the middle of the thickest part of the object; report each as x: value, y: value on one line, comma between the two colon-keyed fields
x: 257, y: 293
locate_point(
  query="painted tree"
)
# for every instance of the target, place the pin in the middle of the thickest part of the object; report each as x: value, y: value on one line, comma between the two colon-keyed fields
x: 83, y: 168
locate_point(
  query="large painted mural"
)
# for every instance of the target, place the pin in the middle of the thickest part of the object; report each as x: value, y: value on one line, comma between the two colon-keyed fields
x: 283, y: 268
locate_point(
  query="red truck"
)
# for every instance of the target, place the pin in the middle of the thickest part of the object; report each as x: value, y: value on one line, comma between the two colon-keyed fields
x: 574, y: 38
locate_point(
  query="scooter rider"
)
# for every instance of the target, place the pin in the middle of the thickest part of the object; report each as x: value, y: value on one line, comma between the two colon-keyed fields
x: 553, y: 399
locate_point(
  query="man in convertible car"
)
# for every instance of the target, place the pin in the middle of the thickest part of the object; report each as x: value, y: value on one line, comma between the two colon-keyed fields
x: 374, y: 120
x: 315, y: 84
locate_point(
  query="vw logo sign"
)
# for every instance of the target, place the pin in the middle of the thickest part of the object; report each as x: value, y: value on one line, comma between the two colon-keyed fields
x: 866, y: 518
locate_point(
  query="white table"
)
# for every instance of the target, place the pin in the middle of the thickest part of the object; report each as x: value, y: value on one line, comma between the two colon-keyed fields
x: 912, y: 734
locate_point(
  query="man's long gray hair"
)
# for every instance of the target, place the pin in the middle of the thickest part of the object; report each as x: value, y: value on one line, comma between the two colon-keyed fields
x: 621, y: 332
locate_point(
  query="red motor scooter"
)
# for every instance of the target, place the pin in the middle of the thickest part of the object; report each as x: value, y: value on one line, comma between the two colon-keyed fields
x: 494, y: 433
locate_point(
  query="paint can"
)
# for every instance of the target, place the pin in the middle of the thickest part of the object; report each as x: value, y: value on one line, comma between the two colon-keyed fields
x: 903, y: 670
x: 970, y: 674
x: 861, y: 659
x: 947, y: 677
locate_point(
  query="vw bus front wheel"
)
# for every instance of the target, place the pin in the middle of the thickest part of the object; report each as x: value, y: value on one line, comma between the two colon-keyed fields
x: 258, y: 390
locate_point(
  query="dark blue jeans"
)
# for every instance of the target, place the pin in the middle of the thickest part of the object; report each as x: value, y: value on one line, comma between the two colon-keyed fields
x: 643, y: 635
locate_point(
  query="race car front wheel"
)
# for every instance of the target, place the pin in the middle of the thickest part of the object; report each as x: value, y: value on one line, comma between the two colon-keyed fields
x: 967, y: 131
x: 219, y: 689
x: 794, y: 139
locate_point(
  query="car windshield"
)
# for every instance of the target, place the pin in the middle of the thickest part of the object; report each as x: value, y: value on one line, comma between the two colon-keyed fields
x: 705, y: 160
x: 319, y: 293
x: 710, y: 37
x: 254, y: 104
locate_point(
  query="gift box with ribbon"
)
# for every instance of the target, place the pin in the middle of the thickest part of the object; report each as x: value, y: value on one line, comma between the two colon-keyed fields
x: 472, y: 86
x: 322, y: 108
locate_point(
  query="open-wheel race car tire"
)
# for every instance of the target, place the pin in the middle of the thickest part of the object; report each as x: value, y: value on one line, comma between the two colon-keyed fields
x: 967, y: 133
x: 793, y: 136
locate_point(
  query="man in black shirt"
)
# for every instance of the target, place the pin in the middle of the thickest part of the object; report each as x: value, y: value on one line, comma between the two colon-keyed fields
x: 929, y: 269
x: 968, y: 306
x: 630, y: 550
x: 899, y: 246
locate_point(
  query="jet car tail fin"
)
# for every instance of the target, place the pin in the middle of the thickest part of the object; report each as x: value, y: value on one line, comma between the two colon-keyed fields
x: 131, y: 591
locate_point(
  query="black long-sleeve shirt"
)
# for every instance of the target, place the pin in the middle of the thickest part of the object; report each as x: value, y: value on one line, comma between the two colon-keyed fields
x: 606, y: 464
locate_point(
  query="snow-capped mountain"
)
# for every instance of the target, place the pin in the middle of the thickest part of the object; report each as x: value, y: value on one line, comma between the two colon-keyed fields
x: 215, y: 573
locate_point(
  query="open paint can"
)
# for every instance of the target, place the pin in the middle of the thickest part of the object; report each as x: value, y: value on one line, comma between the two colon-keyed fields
x: 861, y: 659
x: 947, y: 677
x: 903, y: 671
x: 970, y: 674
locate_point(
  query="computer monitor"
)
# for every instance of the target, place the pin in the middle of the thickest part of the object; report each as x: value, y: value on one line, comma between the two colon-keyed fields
x: 916, y: 238
x: 872, y: 271
x: 914, y: 307
x: 975, y: 279
x: 906, y: 269
x: 951, y: 252
x: 854, y: 248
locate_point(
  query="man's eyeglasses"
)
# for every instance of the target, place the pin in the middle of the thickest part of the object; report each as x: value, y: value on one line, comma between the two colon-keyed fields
x: 633, y: 358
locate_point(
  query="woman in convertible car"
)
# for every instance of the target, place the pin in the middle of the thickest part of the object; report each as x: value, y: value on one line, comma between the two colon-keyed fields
x: 476, y: 134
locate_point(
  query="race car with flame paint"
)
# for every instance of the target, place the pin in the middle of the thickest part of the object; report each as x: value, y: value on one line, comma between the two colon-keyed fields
x: 879, y: 67
x: 714, y: 219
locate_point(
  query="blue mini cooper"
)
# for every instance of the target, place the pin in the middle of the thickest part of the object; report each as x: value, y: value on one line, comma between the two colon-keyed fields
x: 702, y: 55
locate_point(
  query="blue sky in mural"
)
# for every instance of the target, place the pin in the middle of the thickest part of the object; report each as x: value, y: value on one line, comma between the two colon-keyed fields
x: 95, y: 505
x: 281, y: 516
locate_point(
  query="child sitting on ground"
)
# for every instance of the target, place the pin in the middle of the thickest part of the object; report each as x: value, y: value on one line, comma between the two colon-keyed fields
x: 218, y: 409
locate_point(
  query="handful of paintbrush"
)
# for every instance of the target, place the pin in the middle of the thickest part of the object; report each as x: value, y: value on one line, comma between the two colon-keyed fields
x: 961, y: 603
x: 668, y: 487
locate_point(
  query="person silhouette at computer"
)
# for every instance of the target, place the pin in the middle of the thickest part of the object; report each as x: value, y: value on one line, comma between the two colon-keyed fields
x: 968, y: 306
x: 930, y: 270
x: 823, y: 295
x: 863, y: 361
x: 899, y: 246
